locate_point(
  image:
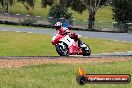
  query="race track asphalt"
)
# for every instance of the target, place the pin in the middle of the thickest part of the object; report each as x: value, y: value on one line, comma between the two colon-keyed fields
x: 124, y: 37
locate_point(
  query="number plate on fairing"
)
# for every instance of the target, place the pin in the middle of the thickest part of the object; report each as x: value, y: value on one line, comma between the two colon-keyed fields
x: 67, y: 40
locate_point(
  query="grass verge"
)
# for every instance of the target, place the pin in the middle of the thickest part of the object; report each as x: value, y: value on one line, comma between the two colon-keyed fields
x: 21, y: 26
x: 61, y: 75
x: 25, y: 44
x: 103, y: 14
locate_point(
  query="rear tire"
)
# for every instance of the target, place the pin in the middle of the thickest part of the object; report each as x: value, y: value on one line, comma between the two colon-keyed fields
x: 62, y: 49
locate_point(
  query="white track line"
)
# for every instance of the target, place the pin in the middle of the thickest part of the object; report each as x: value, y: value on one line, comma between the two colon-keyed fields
x: 29, y: 32
x: 85, y: 37
x: 113, y: 53
x: 116, y: 52
x: 129, y: 51
x: 116, y: 40
x: 3, y: 30
x: 17, y: 31
x: 95, y: 54
x: 123, y: 41
x: 106, y: 53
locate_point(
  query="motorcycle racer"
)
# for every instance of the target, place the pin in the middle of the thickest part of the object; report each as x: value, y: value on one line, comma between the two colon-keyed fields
x: 65, y: 31
x: 67, y: 43
x: 61, y: 31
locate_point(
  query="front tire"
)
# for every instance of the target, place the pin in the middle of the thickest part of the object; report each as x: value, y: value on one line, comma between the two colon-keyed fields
x: 62, y: 49
x: 86, y: 50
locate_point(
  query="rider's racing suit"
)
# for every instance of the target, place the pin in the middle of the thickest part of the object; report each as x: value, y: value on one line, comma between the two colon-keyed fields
x: 65, y: 31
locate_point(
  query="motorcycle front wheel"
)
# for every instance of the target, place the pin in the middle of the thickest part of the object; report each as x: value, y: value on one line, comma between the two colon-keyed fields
x: 62, y: 49
x: 86, y: 50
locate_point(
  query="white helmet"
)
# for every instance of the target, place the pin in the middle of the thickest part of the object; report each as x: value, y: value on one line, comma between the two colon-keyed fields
x: 58, y: 24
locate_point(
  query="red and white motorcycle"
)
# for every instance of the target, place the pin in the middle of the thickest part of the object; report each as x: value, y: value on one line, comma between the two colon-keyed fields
x: 66, y: 46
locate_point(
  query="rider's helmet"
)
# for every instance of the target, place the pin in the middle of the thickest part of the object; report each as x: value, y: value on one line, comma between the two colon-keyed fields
x: 58, y: 25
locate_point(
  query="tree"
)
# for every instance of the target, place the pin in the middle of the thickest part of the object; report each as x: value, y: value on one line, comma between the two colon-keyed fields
x: 5, y: 4
x: 91, y: 6
x: 81, y: 5
x: 122, y: 11
x: 122, y: 14
x: 28, y: 4
x: 46, y: 3
x: 58, y: 11
x: 59, y: 8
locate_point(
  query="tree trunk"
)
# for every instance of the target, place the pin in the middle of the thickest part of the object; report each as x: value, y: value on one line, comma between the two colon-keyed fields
x: 28, y: 8
x: 91, y: 20
x: 6, y: 7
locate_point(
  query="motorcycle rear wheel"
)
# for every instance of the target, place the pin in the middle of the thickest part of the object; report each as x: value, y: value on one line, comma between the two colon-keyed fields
x: 62, y: 49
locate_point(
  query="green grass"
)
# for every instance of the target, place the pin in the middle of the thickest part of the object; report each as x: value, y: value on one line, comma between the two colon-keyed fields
x: 24, y: 44
x: 61, y: 75
x: 105, y: 45
x: 37, y: 9
x: 20, y: 26
x: 18, y: 44
x: 104, y: 14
